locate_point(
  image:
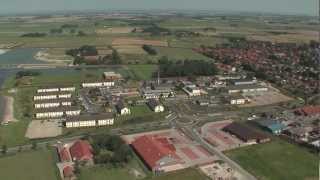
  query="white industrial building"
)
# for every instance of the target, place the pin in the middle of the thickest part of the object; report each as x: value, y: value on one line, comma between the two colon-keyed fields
x: 253, y: 88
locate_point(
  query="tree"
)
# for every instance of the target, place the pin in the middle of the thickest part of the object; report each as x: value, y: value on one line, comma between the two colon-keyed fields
x: 77, y: 167
x: 4, y: 149
x: 115, y: 57
x: 81, y: 33
x: 34, y: 145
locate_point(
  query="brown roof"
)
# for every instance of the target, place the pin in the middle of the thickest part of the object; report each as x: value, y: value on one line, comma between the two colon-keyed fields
x: 244, y: 133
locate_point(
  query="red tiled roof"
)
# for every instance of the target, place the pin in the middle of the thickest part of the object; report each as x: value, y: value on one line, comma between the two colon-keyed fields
x: 68, y: 171
x: 81, y: 150
x: 64, y: 155
x: 309, y: 110
x: 153, y: 148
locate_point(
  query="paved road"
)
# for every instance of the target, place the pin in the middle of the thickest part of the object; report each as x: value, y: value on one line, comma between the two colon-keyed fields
x: 196, y: 136
x: 115, y: 131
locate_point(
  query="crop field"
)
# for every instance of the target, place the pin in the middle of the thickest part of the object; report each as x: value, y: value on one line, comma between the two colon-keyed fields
x: 28, y: 166
x: 284, y: 160
x: 129, y: 49
x: 180, y: 53
x: 114, y: 30
x: 134, y: 41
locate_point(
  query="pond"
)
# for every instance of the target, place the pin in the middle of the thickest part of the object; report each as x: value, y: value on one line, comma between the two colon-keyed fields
x: 19, y: 56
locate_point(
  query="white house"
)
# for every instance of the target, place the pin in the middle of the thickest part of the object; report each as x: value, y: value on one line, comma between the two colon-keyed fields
x: 122, y: 109
x: 155, y: 106
x: 90, y: 120
x: 97, y: 84
x: 44, y: 90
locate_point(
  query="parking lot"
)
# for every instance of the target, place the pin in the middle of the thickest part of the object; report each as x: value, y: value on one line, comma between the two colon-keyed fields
x: 213, y: 134
x: 266, y: 98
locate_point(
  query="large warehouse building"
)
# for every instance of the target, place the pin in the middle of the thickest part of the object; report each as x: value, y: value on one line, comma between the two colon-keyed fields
x: 245, y: 133
x: 157, y: 153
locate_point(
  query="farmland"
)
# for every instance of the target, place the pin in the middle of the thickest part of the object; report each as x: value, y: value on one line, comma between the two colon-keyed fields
x: 278, y: 157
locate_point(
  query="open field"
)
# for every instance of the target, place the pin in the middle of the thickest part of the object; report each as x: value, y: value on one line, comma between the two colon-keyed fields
x: 114, y: 30
x: 131, y: 171
x: 143, y: 72
x: 180, y: 53
x: 28, y: 166
x: 277, y: 160
x: 129, y: 49
x: 123, y: 174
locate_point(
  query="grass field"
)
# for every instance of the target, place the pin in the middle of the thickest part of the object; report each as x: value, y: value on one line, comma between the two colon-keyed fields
x: 143, y: 72
x: 31, y: 165
x: 277, y: 160
x: 123, y: 174
x: 180, y: 53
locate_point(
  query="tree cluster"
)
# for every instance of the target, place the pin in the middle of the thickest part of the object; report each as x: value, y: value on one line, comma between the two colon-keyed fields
x: 36, y: 34
x: 150, y: 50
x: 110, y: 149
x: 155, y: 30
x: 186, y: 68
x: 21, y: 74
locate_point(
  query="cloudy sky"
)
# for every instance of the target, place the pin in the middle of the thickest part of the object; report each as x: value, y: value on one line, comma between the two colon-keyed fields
x: 276, y: 6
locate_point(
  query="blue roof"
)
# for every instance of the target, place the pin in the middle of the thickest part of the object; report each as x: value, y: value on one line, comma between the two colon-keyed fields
x: 271, y: 124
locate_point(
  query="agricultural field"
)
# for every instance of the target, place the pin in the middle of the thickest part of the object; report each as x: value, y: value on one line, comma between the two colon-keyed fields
x: 39, y: 164
x: 284, y: 160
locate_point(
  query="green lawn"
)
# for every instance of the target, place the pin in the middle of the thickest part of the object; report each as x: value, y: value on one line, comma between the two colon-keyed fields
x: 143, y: 72
x: 277, y: 160
x: 31, y: 165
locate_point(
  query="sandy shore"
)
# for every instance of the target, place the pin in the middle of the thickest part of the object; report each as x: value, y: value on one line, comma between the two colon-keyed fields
x: 3, y: 51
x: 8, y: 115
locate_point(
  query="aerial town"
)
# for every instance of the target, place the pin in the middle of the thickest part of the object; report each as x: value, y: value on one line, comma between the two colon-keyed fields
x: 168, y: 95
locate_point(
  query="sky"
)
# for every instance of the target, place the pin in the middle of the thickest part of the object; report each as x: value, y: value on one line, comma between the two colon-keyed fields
x: 309, y: 7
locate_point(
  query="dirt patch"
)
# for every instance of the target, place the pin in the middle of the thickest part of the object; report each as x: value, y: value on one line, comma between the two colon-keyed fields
x: 43, y: 129
x: 8, y: 110
x: 132, y: 41
x: 129, y: 49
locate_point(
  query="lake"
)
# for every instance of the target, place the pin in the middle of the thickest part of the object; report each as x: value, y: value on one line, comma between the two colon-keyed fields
x: 20, y: 56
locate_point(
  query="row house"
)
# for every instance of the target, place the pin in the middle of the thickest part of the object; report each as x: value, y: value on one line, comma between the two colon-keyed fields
x: 57, y: 112
x: 97, y: 84
x: 53, y: 103
x: 56, y: 89
x: 51, y: 95
x: 90, y: 120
